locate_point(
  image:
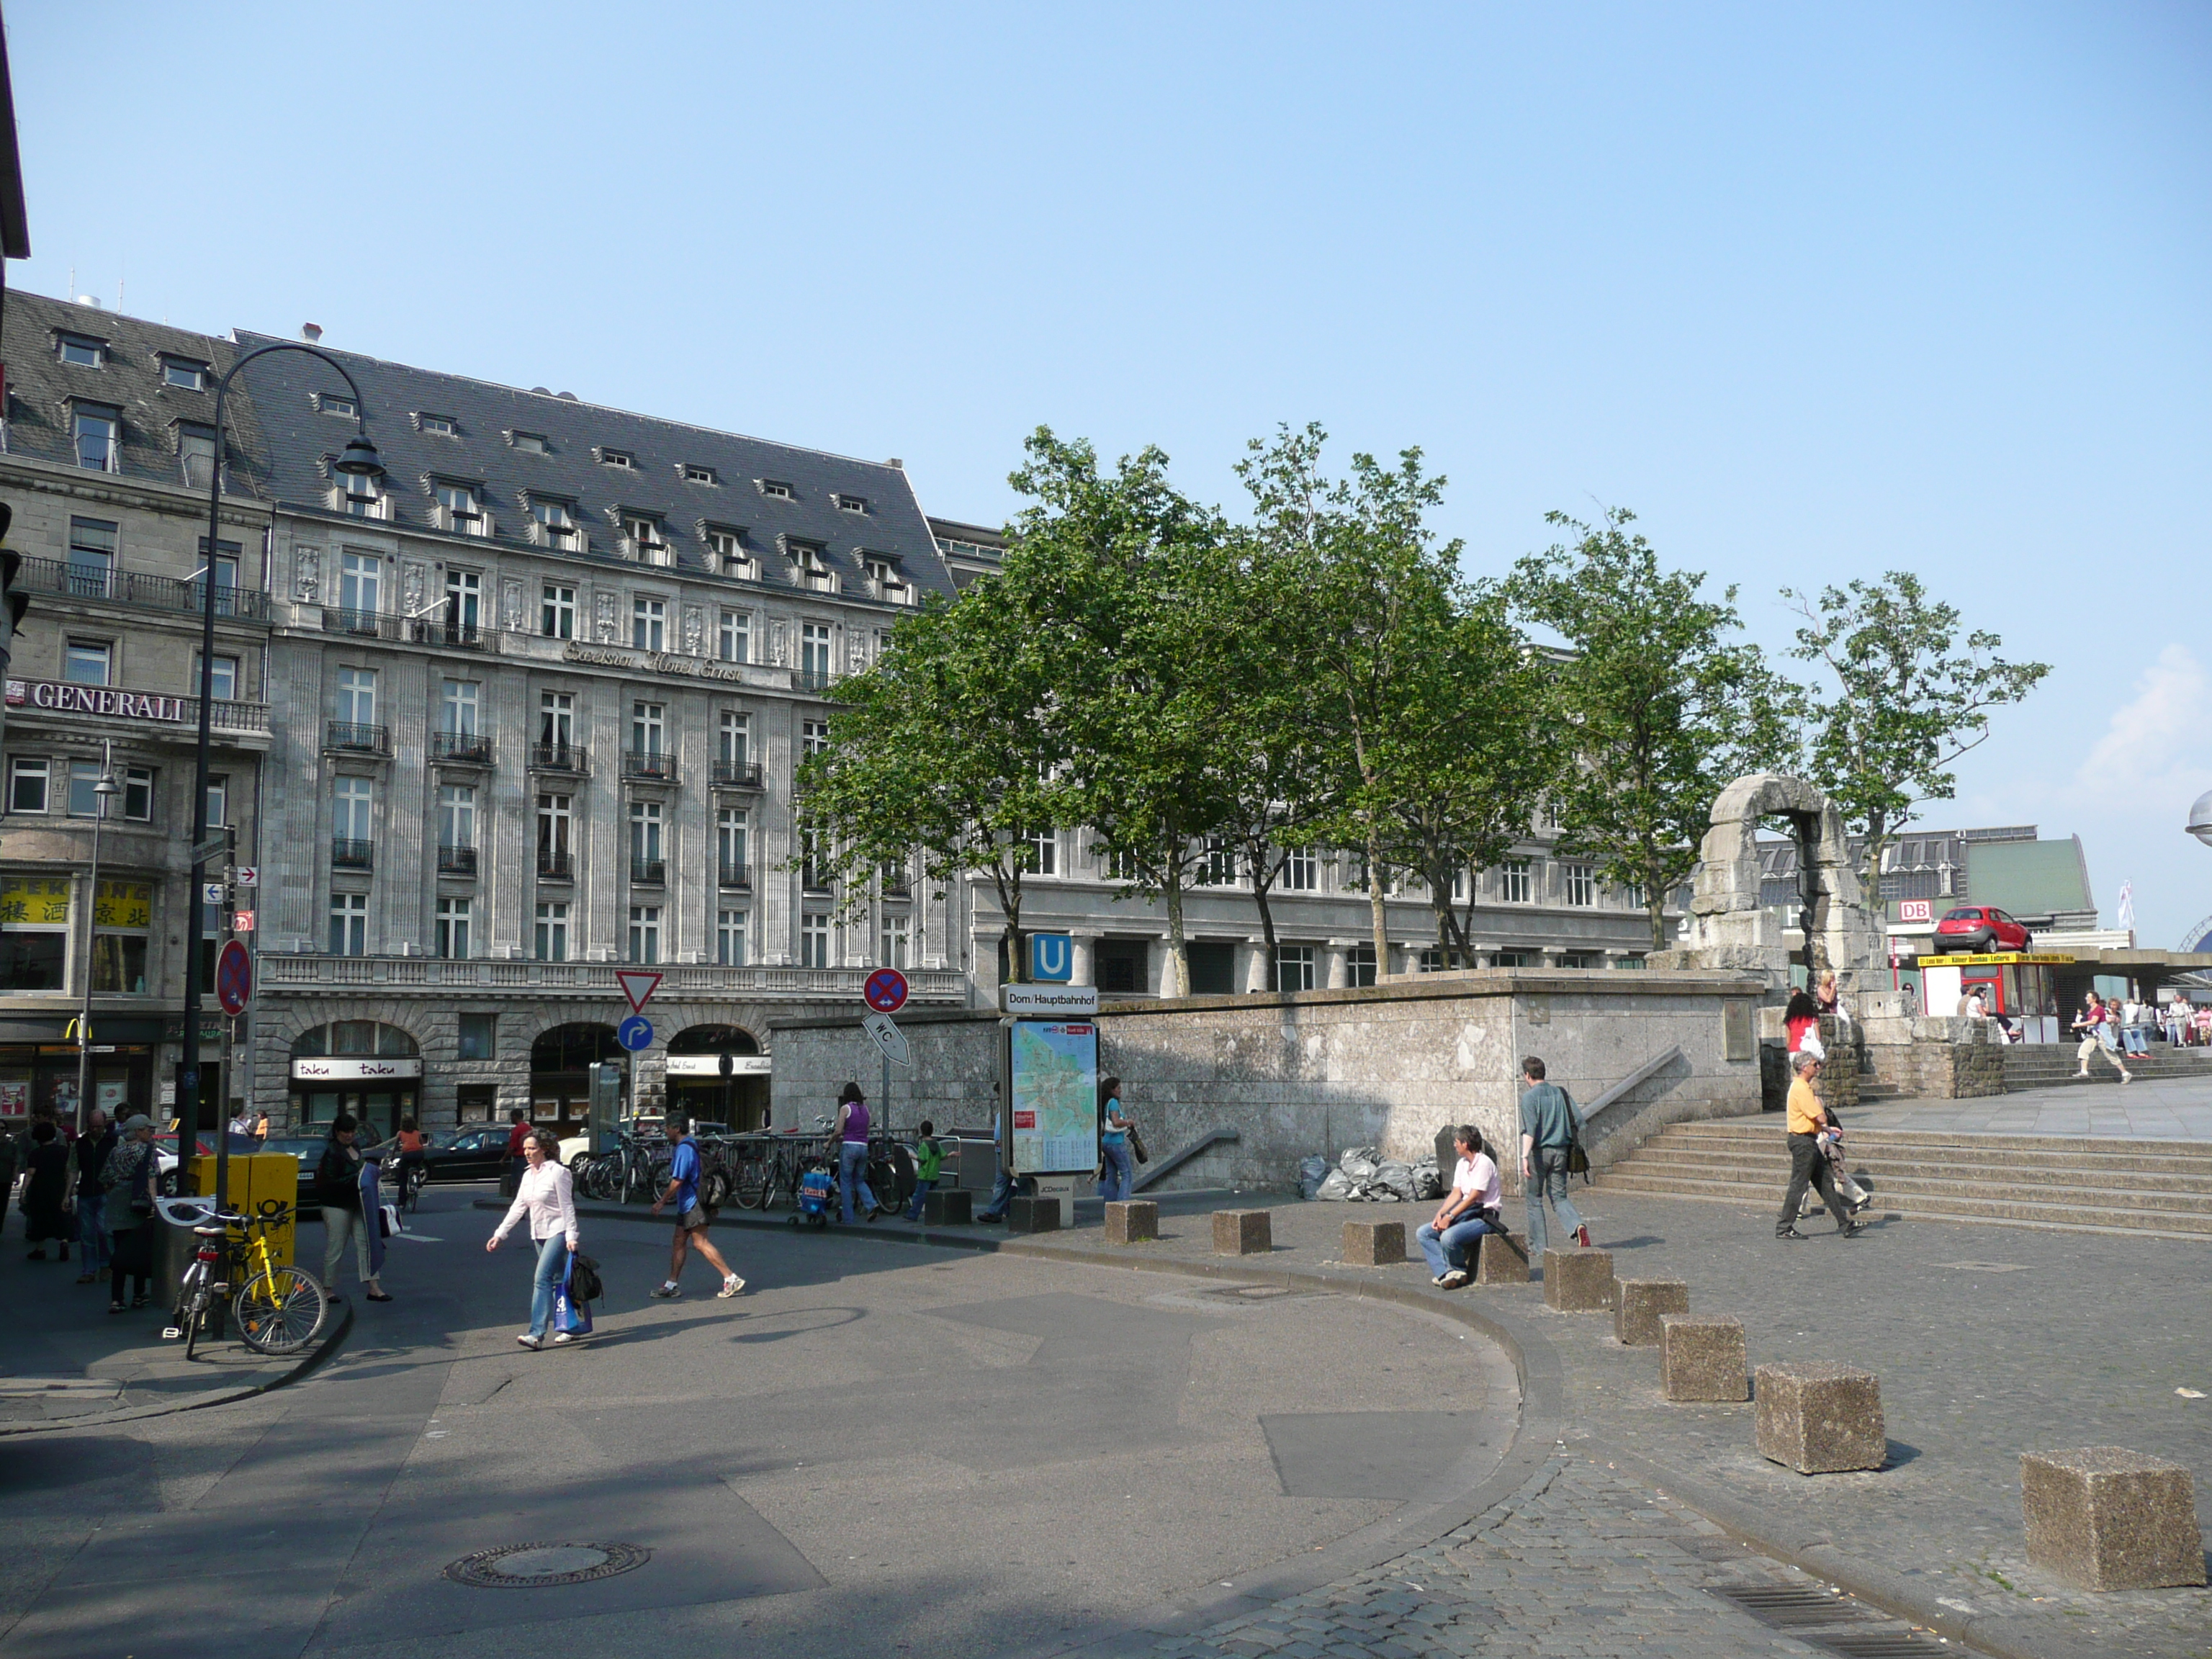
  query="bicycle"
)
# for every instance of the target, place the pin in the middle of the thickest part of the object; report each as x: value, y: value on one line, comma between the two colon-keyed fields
x: 278, y: 1310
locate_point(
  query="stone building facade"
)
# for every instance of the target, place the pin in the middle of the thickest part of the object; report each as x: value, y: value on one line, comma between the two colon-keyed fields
x: 104, y: 461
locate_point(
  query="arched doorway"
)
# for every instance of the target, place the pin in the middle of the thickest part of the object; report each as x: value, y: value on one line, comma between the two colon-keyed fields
x: 561, y: 1062
x: 362, y: 1067
x: 718, y: 1074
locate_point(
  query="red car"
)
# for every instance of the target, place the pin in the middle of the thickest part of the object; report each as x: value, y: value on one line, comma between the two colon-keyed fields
x: 1981, y: 929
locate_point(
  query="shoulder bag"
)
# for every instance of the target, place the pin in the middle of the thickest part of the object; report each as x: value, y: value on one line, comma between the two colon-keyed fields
x: 1578, y: 1157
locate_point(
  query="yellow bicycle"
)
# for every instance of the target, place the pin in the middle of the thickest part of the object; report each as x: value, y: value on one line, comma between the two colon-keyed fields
x: 278, y: 1309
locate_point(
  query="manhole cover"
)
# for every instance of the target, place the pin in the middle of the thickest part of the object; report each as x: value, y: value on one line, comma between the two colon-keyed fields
x: 1255, y: 1292
x: 530, y: 1566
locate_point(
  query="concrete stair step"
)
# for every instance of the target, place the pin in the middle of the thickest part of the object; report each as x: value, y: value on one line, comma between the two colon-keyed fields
x: 2176, y: 1157
x: 2180, y: 1188
x: 1948, y: 1205
x: 1767, y: 1129
x: 1766, y: 1199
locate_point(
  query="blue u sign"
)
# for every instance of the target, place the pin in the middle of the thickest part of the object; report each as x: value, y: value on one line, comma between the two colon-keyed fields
x: 1052, y: 956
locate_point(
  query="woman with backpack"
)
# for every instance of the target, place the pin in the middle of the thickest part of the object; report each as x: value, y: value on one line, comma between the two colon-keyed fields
x: 548, y: 1196
x: 132, y: 1170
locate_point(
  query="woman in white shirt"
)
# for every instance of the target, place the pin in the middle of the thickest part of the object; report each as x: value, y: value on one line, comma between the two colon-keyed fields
x: 548, y: 1196
x: 1469, y: 1210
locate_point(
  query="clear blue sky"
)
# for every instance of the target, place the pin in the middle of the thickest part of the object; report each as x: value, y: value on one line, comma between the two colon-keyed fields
x: 1818, y: 292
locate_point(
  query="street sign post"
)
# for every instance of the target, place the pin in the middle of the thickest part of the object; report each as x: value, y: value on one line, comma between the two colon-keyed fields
x: 234, y: 979
x: 635, y: 1033
x: 885, y: 991
x: 246, y: 876
x: 886, y: 1035
x: 638, y: 984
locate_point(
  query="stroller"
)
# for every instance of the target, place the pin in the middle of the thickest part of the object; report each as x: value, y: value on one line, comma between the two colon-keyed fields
x: 817, y: 1195
x: 1855, y: 1194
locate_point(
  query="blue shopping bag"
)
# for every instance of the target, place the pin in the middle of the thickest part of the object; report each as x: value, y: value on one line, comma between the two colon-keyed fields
x: 570, y: 1316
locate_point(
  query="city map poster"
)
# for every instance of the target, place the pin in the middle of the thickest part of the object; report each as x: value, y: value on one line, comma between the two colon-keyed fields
x: 1055, y: 1095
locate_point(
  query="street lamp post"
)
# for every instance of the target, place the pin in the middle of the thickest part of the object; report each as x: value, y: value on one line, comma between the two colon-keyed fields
x: 359, y: 459
x: 102, y: 792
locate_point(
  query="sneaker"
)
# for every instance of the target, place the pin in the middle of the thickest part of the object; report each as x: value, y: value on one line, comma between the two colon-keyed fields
x: 559, y: 1337
x: 1850, y: 1230
x: 1453, y: 1280
x: 87, y: 1279
x: 529, y: 1341
x: 1439, y: 1281
x: 731, y: 1286
x: 667, y: 1290
x: 1789, y: 1233
x: 1581, y: 1236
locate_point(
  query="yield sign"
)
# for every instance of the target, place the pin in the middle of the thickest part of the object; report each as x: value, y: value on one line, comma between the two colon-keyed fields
x: 638, y: 984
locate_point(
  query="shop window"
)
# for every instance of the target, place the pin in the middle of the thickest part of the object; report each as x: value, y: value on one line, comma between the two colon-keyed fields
x: 34, y: 923
x: 478, y: 1035
x: 122, y: 917
x: 477, y: 1102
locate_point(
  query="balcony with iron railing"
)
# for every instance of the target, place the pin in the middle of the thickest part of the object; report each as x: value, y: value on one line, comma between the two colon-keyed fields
x: 651, y: 872
x: 135, y: 587
x: 555, y: 863
x: 434, y: 976
x: 357, y: 737
x: 648, y: 765
x: 812, y: 679
x: 736, y: 774
x: 364, y: 624
x: 472, y: 747
x: 560, y: 758
x: 456, y: 861
x: 461, y: 635
x: 349, y: 854
x: 738, y: 874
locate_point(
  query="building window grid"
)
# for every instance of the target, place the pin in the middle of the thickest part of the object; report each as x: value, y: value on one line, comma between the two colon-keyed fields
x: 730, y: 930
x: 645, y: 934
x: 452, y: 927
x: 648, y: 624
x: 552, y: 933
x: 348, y: 924
x: 1579, y: 883
x: 557, y: 616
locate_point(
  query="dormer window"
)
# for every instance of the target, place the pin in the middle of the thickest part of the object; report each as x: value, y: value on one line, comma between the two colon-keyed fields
x: 648, y: 545
x: 82, y: 350
x: 330, y: 403
x: 621, y: 458
x: 887, y: 582
x: 731, y: 558
x: 530, y: 443
x: 461, y: 508
x: 852, y: 503
x: 775, y: 490
x: 96, y: 432
x: 556, y: 525
x: 440, y: 426
x: 693, y: 473
x: 807, y: 568
x: 195, y: 453
x: 189, y: 376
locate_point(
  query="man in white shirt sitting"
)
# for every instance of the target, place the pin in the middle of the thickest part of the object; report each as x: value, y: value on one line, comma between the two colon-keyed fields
x: 1469, y: 1210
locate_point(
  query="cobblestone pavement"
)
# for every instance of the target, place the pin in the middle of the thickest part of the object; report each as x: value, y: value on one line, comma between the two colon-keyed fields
x: 1580, y: 1562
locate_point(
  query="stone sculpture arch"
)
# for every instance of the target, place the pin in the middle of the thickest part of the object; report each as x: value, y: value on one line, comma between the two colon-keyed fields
x: 1730, y: 929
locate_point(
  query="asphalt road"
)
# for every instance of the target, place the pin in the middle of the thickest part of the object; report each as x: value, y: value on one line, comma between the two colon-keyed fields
x: 872, y: 1450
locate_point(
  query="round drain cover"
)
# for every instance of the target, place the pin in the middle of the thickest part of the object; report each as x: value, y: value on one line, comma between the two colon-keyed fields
x: 530, y: 1566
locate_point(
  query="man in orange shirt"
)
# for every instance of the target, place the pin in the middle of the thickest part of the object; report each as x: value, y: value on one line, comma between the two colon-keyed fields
x: 1806, y: 1162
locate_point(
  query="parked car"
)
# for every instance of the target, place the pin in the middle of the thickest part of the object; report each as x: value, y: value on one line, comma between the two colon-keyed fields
x: 1980, y: 928
x: 466, y: 1155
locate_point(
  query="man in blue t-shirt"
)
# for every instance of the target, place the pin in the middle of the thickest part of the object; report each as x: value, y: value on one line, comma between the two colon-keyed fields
x: 683, y: 1170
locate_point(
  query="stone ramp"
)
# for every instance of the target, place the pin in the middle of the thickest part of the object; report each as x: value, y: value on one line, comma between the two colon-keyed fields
x: 2086, y: 1183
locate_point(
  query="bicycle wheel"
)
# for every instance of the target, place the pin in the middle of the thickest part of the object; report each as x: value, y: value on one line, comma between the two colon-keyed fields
x: 883, y: 1182
x: 196, y: 1318
x: 281, y: 1310
x: 750, y: 1185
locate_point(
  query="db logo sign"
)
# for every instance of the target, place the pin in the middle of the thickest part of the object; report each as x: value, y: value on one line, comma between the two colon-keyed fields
x: 1916, y: 909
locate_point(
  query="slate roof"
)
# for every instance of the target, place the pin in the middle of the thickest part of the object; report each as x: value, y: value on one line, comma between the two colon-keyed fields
x: 301, y: 440
x: 40, y: 388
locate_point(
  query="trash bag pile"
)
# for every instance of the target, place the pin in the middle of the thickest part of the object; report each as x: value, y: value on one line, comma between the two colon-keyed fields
x: 1363, y: 1176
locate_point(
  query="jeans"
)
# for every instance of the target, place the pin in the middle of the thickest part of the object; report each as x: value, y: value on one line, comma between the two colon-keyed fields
x: 552, y: 1265
x: 1002, y: 1193
x: 1809, y: 1162
x: 92, y: 1230
x: 338, y: 1225
x: 1114, y: 1185
x: 2135, y: 1039
x: 852, y: 1172
x: 1549, y: 1165
x: 920, y: 1191
x: 1447, y: 1251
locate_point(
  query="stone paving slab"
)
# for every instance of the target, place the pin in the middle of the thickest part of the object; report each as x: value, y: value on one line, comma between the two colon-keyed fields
x: 2152, y: 1109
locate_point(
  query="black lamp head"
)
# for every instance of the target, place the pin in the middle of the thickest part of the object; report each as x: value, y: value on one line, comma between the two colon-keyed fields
x: 360, y: 458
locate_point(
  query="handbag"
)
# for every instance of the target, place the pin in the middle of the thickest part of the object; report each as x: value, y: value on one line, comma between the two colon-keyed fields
x: 1577, y: 1158
x: 1137, y: 1146
x: 583, y: 1278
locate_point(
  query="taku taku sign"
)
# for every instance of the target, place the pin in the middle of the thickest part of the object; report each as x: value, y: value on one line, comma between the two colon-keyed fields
x: 335, y: 1070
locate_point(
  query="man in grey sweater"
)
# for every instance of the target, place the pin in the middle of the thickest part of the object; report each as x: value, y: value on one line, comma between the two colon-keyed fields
x: 1549, y: 1120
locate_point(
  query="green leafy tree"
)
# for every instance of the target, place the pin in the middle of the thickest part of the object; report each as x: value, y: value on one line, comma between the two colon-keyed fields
x: 949, y: 747
x: 1658, y: 705
x: 1907, y: 700
x: 1132, y: 583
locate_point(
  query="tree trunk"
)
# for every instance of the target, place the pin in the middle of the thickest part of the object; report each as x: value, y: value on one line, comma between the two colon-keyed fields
x: 1267, y: 927
x: 1655, y: 903
x: 1380, y: 914
x: 1178, y: 950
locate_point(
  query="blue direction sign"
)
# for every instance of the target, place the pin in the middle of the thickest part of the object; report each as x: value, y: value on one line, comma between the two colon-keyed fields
x: 635, y: 1033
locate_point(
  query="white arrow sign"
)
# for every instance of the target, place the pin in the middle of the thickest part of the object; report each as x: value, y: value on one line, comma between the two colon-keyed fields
x: 888, y: 1037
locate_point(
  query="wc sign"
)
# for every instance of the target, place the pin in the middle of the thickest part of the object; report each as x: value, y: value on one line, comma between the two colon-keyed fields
x: 1052, y: 956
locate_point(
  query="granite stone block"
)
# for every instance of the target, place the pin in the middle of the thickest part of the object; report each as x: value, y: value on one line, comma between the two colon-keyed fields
x: 1501, y: 1259
x: 1701, y: 1356
x: 2109, y: 1519
x: 1242, y: 1232
x: 1374, y: 1243
x: 1819, y: 1419
x: 1133, y: 1221
x: 948, y: 1206
x: 1578, y: 1281
x: 1030, y: 1214
x: 1637, y: 1304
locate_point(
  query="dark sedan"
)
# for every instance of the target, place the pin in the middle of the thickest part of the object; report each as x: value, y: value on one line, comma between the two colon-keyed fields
x: 466, y: 1155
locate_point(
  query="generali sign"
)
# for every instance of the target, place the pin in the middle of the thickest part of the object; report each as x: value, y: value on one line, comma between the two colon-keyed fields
x: 353, y: 1071
x: 658, y: 662
x: 59, y: 697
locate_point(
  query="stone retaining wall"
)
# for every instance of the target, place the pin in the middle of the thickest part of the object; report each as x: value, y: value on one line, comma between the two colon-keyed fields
x: 1319, y: 1070
x: 1937, y: 1057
